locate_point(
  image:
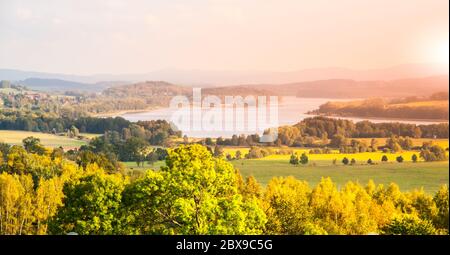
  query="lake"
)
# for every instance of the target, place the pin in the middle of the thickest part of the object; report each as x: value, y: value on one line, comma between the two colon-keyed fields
x: 291, y: 110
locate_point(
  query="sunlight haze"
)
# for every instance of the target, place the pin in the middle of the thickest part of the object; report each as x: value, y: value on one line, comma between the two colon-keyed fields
x: 118, y: 36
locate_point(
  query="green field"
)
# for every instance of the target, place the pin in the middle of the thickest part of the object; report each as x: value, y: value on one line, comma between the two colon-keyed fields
x: 407, y: 175
x: 48, y: 140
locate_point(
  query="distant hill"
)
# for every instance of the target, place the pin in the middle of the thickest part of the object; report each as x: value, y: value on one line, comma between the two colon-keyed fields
x: 60, y: 85
x: 339, y: 88
x: 336, y: 88
x: 18, y: 75
x: 364, y: 84
x: 222, y: 78
x: 342, y: 88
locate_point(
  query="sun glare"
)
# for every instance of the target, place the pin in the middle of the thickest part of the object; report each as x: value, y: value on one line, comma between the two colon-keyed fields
x: 440, y: 52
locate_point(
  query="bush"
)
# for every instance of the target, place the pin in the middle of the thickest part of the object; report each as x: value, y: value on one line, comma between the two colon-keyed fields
x: 304, y: 159
x: 399, y: 159
x: 433, y: 153
x: 384, y: 158
x: 294, y: 159
x: 345, y: 161
x: 258, y: 152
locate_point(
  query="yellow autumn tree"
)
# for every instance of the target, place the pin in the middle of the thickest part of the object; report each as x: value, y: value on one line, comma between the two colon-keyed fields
x: 287, y: 206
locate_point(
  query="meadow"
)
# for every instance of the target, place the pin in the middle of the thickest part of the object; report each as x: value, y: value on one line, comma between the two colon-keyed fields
x: 408, y: 175
x: 48, y: 140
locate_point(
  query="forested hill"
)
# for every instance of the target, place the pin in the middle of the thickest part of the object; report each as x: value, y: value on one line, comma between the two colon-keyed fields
x: 147, y: 89
x: 434, y: 107
x: 333, y: 88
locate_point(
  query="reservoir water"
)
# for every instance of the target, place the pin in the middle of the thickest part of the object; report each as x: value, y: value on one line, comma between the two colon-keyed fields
x: 291, y: 110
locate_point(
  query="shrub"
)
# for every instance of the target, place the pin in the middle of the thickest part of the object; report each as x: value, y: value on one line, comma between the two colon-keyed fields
x: 345, y: 161
x: 433, y: 153
x: 294, y: 159
x: 304, y: 159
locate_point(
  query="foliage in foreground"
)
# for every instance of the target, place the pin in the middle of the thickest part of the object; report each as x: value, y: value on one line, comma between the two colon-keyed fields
x: 197, y: 193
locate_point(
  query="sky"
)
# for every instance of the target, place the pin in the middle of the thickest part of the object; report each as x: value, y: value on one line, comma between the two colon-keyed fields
x: 138, y: 36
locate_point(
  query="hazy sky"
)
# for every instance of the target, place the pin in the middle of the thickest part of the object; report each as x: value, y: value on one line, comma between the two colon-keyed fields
x: 133, y: 36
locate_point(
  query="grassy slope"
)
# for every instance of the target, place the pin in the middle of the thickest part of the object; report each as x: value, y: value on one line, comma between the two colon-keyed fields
x: 48, y: 140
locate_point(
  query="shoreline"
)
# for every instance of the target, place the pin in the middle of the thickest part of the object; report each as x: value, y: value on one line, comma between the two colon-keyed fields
x: 379, y: 118
x: 123, y: 112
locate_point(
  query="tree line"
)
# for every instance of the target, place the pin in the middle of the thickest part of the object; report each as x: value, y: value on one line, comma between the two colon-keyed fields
x: 139, y: 142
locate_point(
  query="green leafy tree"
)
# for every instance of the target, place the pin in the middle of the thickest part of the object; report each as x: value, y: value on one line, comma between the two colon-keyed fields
x: 195, y: 193
x: 86, y: 157
x: 294, y: 160
x: 91, y: 204
x: 304, y: 159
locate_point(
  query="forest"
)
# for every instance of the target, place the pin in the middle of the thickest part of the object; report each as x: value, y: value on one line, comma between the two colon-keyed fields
x: 433, y: 107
